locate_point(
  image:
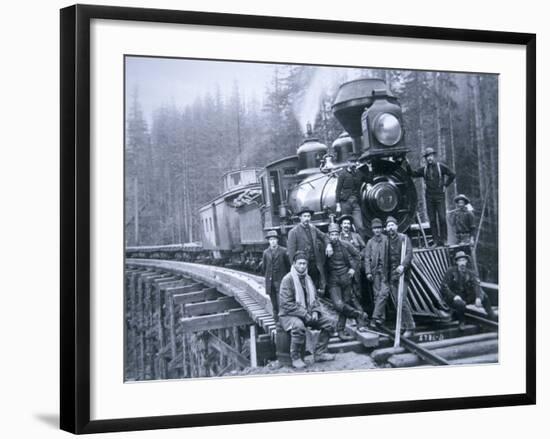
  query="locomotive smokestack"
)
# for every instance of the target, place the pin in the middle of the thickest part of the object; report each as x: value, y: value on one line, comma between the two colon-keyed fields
x: 309, y: 130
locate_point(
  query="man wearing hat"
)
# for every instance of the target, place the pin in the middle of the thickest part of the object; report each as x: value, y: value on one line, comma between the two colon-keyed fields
x: 375, y: 263
x: 397, y: 267
x: 348, y: 192
x: 342, y: 266
x: 462, y: 220
x: 437, y: 177
x: 348, y: 235
x: 461, y: 287
x: 276, y: 264
x: 315, y: 244
x: 300, y: 308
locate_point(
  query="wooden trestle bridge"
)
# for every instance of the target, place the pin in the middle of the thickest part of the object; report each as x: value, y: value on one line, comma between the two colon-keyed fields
x: 188, y: 320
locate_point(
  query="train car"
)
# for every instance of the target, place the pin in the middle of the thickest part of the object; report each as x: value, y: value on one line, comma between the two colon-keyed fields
x: 221, y: 231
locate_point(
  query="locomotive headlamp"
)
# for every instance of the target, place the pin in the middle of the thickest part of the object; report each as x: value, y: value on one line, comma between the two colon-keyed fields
x: 387, y: 129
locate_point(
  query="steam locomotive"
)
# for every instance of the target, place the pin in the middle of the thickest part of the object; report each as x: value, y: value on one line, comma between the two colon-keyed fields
x: 255, y: 200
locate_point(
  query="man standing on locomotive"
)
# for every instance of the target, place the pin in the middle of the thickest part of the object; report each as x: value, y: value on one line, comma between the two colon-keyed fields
x: 276, y: 264
x: 315, y: 244
x: 342, y: 266
x: 462, y: 220
x: 437, y: 177
x: 398, y: 267
x: 300, y: 308
x: 375, y: 263
x: 461, y: 287
x: 348, y: 193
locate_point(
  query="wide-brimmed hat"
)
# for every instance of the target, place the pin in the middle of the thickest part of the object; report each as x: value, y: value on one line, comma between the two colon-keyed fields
x: 299, y: 255
x: 272, y: 234
x: 376, y: 222
x: 305, y: 209
x: 428, y: 151
x: 345, y: 217
x: 460, y: 255
x: 391, y: 219
x: 333, y: 227
x: 462, y: 197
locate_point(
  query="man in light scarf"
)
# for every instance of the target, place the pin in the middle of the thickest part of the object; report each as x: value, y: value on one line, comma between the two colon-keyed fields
x: 299, y: 308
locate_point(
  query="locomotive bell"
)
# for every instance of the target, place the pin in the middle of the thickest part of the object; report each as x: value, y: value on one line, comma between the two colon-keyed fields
x: 310, y: 154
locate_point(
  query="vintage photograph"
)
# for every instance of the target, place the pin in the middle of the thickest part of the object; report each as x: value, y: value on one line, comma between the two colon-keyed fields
x: 293, y: 218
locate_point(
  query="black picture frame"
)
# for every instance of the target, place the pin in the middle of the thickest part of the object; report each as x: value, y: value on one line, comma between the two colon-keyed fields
x: 75, y: 217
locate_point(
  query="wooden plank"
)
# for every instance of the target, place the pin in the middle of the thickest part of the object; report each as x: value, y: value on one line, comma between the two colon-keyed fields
x: 225, y: 349
x: 211, y: 307
x: 185, y: 289
x: 199, y: 296
x: 215, y: 321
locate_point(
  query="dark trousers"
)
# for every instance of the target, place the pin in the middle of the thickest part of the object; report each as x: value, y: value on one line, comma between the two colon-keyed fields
x: 297, y: 328
x: 459, y: 308
x: 351, y: 207
x: 437, y: 215
x: 274, y: 296
x: 317, y: 278
x: 344, y: 300
x: 381, y: 292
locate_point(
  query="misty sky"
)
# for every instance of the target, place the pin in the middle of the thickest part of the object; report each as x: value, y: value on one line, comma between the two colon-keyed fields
x: 179, y: 81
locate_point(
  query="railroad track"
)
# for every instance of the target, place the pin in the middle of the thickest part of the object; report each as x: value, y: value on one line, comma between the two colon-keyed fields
x: 193, y: 320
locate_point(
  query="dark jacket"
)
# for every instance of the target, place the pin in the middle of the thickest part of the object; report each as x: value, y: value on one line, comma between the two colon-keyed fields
x: 354, y: 239
x: 275, y: 265
x: 287, y: 300
x: 466, y: 286
x: 373, y: 248
x: 463, y: 221
x: 349, y: 183
x: 298, y: 240
x: 407, y: 261
x: 437, y: 177
x: 352, y: 257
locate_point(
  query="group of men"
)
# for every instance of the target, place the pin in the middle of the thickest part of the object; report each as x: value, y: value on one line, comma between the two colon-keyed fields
x: 336, y: 264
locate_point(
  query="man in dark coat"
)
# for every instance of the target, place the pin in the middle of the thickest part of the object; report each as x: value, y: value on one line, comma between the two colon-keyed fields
x: 348, y: 193
x: 342, y: 266
x: 299, y: 308
x: 315, y: 244
x: 461, y: 287
x: 397, y: 267
x: 359, y: 285
x: 376, y: 263
x: 437, y: 177
x: 276, y: 264
x: 462, y: 221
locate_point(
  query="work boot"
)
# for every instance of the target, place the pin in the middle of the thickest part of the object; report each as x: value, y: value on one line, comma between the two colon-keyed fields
x: 298, y: 363
x: 323, y: 357
x: 362, y: 321
x: 408, y: 333
x: 375, y: 324
x: 461, y: 326
x: 344, y: 336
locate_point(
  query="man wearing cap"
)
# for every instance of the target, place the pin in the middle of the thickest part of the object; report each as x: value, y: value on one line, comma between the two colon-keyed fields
x: 299, y: 308
x: 347, y: 234
x: 375, y: 263
x: 460, y: 287
x: 342, y: 266
x: 397, y: 267
x: 348, y: 192
x: 437, y: 177
x: 276, y: 264
x: 462, y: 220
x: 315, y: 244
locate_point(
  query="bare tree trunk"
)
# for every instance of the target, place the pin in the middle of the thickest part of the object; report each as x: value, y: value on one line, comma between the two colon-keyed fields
x: 452, y: 143
x: 136, y: 212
